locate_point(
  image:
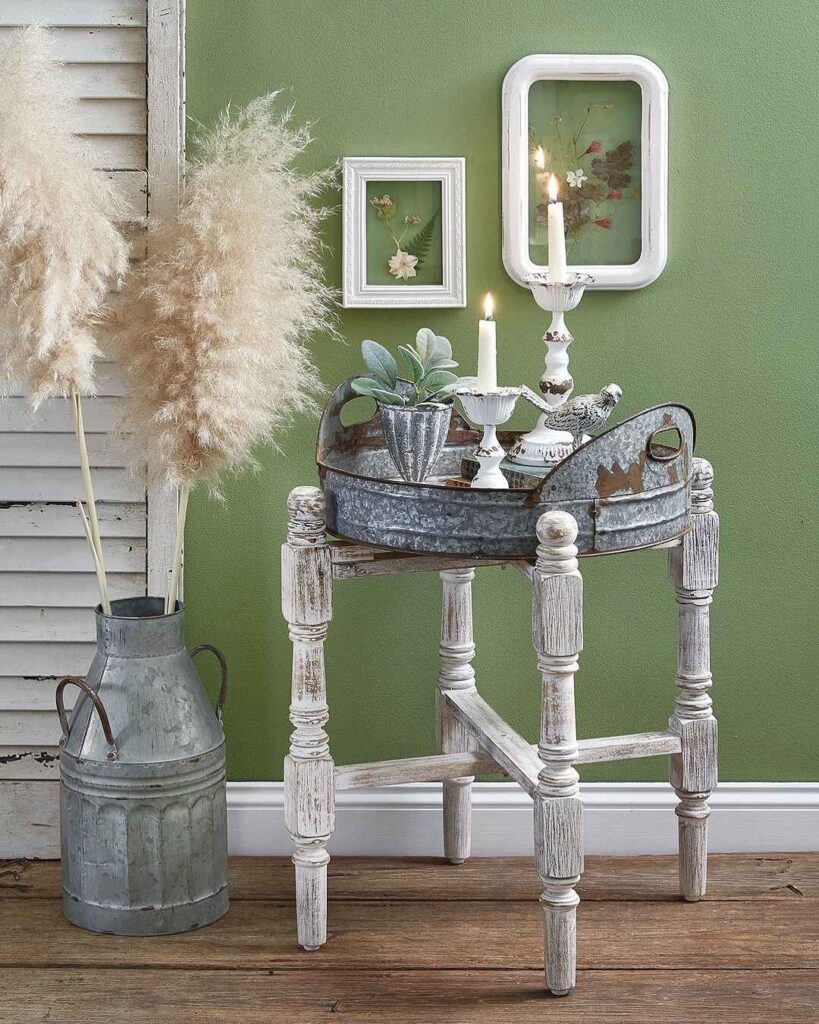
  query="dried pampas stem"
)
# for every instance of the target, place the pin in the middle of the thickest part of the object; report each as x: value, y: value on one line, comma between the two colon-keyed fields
x: 212, y: 327
x: 93, y: 526
x: 98, y: 568
x: 176, y: 571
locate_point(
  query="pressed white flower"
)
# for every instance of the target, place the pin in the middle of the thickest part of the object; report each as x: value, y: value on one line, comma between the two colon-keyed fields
x: 576, y: 178
x: 402, y: 265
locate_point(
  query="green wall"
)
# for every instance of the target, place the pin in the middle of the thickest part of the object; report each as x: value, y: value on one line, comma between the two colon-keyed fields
x: 729, y: 329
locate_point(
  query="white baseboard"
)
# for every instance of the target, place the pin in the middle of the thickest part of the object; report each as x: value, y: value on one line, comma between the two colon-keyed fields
x: 621, y: 818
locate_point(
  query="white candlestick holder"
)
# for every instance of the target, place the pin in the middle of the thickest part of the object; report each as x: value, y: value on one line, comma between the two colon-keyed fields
x: 489, y: 409
x: 543, y: 446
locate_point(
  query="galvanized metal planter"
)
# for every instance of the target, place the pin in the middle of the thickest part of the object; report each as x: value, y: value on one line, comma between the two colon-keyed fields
x: 143, y: 819
x: 626, y: 488
x: 415, y: 436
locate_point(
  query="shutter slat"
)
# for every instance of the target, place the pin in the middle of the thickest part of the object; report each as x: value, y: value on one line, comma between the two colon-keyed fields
x: 65, y: 589
x: 30, y: 450
x: 105, y: 81
x: 118, y: 152
x: 47, y: 625
x: 40, y: 519
x: 48, y: 483
x: 34, y: 728
x: 26, y: 693
x: 54, y: 416
x: 26, y: 555
x: 17, y: 762
x: 47, y: 659
x: 108, y: 117
x: 94, y: 45
x: 73, y: 13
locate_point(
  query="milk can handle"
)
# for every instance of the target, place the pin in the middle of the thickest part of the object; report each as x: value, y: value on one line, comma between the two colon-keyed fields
x: 220, y: 703
x: 98, y: 705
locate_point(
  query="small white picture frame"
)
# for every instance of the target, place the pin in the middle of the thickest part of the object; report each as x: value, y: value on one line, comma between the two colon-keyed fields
x: 447, y: 287
x: 517, y: 162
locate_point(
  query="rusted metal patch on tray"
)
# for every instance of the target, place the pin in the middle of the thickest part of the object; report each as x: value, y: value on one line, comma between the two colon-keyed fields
x: 610, y: 481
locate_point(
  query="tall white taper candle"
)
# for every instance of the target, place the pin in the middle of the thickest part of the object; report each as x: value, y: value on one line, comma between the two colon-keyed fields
x: 557, y: 237
x: 487, y: 349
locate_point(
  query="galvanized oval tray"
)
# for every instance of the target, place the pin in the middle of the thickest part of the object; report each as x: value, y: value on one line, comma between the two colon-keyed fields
x: 625, y: 489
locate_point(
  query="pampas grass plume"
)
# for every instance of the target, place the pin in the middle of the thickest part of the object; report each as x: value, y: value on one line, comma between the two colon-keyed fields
x: 212, y: 328
x: 59, y: 246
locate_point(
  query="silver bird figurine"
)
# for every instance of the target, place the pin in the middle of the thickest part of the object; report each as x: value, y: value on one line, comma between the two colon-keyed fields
x: 578, y: 415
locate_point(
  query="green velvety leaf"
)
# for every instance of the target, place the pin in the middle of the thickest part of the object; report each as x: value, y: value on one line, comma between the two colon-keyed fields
x: 433, y: 349
x: 365, y: 386
x: 424, y: 343
x: 435, y: 380
x: 414, y: 364
x: 387, y: 397
x: 441, y: 348
x: 380, y: 363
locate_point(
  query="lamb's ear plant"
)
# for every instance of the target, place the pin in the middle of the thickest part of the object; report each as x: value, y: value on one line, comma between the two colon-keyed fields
x: 212, y: 327
x: 427, y: 372
x: 60, y: 249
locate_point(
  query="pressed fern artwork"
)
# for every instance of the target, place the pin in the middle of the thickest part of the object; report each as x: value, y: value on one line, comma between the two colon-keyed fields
x: 588, y: 135
x: 404, y: 240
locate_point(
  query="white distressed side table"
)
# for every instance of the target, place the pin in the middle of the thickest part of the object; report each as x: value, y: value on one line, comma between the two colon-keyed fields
x: 472, y: 737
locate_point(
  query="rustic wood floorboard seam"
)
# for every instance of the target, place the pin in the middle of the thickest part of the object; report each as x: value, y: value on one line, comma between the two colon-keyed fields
x: 334, y: 968
x: 419, y: 997
x: 389, y: 935
x: 784, y: 877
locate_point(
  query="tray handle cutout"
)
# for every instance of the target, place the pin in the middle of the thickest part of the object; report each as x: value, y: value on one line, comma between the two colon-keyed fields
x: 664, y: 444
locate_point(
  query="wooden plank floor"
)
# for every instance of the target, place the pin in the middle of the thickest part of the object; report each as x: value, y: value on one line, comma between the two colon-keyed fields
x: 419, y: 941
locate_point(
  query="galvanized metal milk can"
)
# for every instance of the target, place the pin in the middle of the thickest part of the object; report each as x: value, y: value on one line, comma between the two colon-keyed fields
x: 142, y: 781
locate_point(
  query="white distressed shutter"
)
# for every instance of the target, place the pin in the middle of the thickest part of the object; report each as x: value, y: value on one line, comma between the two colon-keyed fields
x: 124, y: 72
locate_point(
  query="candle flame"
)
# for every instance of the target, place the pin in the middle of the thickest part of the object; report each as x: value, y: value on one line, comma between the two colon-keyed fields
x: 540, y: 158
x: 488, y: 307
x: 552, y: 188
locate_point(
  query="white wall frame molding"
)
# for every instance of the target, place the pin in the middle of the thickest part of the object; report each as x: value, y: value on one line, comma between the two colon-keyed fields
x: 654, y: 161
x: 451, y: 173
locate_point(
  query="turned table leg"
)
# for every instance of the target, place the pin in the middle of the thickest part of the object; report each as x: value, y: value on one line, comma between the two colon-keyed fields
x: 457, y: 673
x: 557, y: 628
x: 693, y: 772
x: 309, y: 781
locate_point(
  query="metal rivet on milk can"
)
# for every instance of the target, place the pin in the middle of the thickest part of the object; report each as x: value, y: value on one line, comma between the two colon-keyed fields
x: 143, y: 820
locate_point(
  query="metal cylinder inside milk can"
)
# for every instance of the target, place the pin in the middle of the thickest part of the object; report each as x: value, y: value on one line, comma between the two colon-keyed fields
x: 143, y: 820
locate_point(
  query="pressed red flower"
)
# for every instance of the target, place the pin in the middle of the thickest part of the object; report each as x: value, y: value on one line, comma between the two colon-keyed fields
x: 604, y: 222
x: 594, y: 147
x: 615, y: 193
